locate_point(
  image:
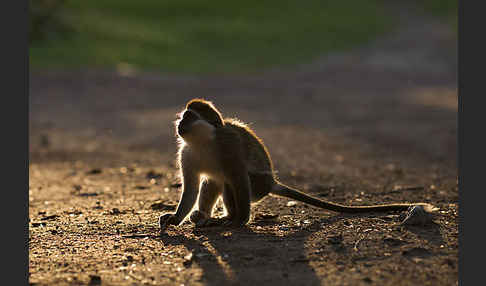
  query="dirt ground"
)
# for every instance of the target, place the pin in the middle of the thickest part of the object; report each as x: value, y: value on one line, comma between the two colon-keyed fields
x: 360, y: 127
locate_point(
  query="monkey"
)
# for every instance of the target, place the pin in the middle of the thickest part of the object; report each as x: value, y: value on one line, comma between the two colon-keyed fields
x: 223, y: 157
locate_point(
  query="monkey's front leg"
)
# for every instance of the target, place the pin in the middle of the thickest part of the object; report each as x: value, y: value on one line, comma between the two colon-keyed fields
x: 190, y: 190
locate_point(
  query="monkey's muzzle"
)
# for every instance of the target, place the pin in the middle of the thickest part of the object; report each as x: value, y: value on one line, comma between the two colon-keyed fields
x: 183, y: 130
x: 188, y: 119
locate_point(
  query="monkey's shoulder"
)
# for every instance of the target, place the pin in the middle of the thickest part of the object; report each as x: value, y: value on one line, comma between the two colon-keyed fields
x: 243, y: 130
x: 252, y: 147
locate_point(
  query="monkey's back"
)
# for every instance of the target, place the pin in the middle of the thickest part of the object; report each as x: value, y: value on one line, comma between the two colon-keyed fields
x: 255, y: 152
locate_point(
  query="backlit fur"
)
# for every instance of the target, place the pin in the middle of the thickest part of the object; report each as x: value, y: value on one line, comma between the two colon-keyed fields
x: 224, y: 157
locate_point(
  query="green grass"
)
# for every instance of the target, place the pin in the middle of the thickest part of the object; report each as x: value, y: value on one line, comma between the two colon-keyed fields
x: 445, y: 9
x: 209, y: 36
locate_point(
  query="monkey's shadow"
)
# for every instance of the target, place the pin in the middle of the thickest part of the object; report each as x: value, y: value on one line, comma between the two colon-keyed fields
x: 241, y: 256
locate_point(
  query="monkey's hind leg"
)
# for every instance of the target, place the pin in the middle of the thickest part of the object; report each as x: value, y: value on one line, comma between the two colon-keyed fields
x: 229, y: 202
x: 209, y: 194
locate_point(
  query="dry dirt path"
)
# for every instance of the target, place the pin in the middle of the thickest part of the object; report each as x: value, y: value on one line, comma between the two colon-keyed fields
x: 351, y: 128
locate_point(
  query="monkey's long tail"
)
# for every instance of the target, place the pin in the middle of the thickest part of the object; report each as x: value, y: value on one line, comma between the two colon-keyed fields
x: 291, y: 193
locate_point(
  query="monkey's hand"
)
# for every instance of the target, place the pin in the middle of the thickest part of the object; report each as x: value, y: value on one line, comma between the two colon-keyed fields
x: 166, y: 220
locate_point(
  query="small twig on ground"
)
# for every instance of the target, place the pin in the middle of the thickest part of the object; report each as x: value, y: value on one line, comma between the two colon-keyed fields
x: 134, y: 277
x: 140, y: 235
x: 415, y: 188
x: 355, y: 248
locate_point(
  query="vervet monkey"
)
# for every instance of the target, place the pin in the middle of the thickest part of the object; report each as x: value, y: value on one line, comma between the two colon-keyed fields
x: 224, y: 157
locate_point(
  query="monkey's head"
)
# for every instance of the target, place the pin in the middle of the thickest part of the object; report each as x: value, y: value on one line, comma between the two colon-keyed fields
x: 198, y: 121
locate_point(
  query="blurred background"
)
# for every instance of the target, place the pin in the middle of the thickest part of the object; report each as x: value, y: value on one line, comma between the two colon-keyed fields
x: 114, y: 72
x: 356, y: 97
x: 209, y: 36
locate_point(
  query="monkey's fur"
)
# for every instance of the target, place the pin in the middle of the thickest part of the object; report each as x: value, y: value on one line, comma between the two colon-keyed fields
x: 224, y: 157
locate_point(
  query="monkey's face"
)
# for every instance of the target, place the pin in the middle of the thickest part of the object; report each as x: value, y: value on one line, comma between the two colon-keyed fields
x: 205, y: 109
x: 194, y: 129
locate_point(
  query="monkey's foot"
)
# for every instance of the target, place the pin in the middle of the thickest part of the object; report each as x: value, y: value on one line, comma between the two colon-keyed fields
x: 224, y: 221
x: 200, y: 219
